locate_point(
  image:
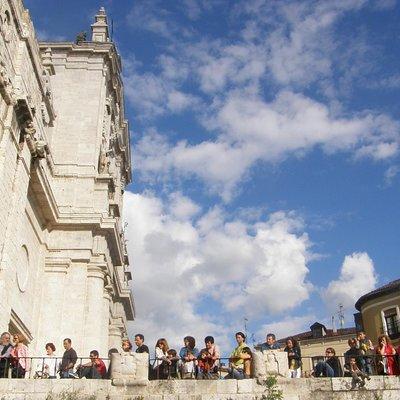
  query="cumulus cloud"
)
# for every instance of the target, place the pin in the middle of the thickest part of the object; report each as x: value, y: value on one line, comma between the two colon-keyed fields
x: 357, y: 277
x: 185, y: 259
x: 253, y: 130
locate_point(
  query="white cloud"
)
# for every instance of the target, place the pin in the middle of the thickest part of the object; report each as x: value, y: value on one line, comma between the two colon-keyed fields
x: 357, y: 277
x: 253, y: 130
x: 390, y: 174
x: 254, y: 270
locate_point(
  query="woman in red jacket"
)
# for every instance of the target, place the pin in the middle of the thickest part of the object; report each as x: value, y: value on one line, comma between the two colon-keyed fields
x: 387, y: 363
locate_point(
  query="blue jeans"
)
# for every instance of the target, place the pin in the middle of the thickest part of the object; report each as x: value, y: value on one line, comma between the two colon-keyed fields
x: 65, y: 374
x: 324, y: 369
x: 234, y: 373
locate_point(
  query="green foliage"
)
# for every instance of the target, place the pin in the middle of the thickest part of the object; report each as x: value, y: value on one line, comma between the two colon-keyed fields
x: 271, y: 389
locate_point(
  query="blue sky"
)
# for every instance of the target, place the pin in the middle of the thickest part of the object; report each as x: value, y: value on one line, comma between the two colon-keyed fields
x: 266, y: 157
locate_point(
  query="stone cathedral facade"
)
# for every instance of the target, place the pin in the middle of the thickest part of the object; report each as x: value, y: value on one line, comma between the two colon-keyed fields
x: 64, y: 165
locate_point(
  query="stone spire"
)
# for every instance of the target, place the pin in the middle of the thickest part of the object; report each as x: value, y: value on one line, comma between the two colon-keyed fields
x: 100, y: 31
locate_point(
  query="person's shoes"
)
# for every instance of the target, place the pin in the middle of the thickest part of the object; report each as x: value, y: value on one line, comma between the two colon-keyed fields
x: 74, y: 375
x: 368, y: 377
x: 361, y: 384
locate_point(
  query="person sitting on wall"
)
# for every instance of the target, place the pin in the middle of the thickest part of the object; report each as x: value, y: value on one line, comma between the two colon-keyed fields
x: 5, y: 351
x: 68, y: 361
x: 173, y: 370
x: 329, y: 368
x: 141, y: 347
x: 205, y: 365
x: 353, y: 351
x: 238, y: 358
x: 94, y: 369
x: 358, y: 376
x: 270, y: 343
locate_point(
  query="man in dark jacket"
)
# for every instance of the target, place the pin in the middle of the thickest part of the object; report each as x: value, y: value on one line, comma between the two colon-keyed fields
x: 331, y: 367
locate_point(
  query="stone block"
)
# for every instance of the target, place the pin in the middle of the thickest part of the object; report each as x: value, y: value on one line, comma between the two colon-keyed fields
x: 319, y: 384
x: 341, y: 384
x: 245, y: 386
x: 42, y: 385
x: 276, y: 362
x: 226, y: 386
x: 184, y: 386
x: 205, y: 387
x: 391, y: 382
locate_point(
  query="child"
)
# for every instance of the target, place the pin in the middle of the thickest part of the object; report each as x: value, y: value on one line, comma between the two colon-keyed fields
x: 357, y: 375
x: 173, y: 367
x: 247, y: 363
x: 205, y: 365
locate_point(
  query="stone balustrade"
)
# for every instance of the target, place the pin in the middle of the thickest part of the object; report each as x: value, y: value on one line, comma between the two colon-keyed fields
x: 379, y: 387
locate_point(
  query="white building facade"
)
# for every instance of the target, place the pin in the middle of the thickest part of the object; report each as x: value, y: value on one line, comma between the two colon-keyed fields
x: 64, y: 165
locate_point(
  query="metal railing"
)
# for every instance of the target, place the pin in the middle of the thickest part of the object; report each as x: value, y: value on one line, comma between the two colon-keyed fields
x: 50, y: 368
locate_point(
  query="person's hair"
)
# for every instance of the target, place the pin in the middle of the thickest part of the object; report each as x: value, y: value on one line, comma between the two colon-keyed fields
x: 352, y: 341
x: 331, y: 350
x: 240, y: 334
x: 129, y: 343
x: 67, y: 339
x: 388, y: 341
x: 140, y: 336
x: 51, y: 345
x: 6, y: 333
x: 271, y: 335
x: 95, y: 353
x: 203, y: 351
x: 191, y: 340
x: 209, y: 339
x: 164, y: 342
x: 246, y: 350
x: 360, y: 332
x: 19, y: 336
x: 172, y: 352
x: 293, y: 340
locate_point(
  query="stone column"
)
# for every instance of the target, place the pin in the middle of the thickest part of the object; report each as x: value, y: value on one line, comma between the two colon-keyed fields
x: 114, y: 336
x: 95, y: 327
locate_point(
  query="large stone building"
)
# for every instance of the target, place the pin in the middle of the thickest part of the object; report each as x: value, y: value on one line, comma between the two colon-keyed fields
x: 379, y: 312
x: 64, y: 164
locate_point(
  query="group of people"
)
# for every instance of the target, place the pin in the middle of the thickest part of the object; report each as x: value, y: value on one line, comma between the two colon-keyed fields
x: 361, y: 360
x: 16, y: 362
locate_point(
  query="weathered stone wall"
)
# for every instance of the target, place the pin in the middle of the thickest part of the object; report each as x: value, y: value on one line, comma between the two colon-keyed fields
x: 64, y: 165
x: 379, y: 388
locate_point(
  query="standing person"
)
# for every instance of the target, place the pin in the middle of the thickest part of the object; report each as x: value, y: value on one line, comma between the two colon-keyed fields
x: 386, y: 351
x: 330, y: 368
x: 188, y: 355
x: 270, y: 343
x: 213, y: 355
x: 5, y: 352
x: 238, y: 358
x: 20, y: 357
x: 366, y: 349
x: 162, y: 362
x: 94, y: 369
x: 68, y: 361
x: 47, y: 367
x: 294, y: 357
x: 141, y: 347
